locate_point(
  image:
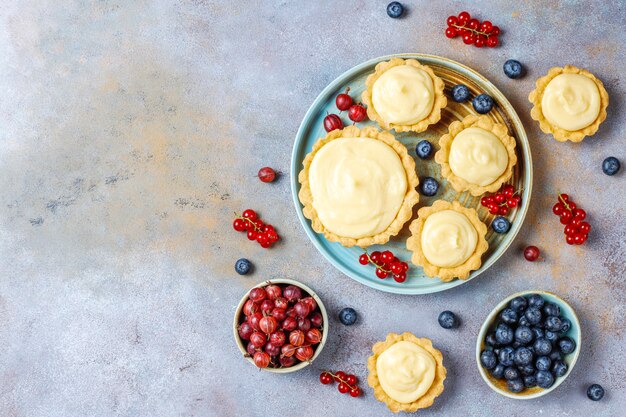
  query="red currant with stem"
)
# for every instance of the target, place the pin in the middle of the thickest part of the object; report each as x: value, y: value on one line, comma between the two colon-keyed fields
x: 386, y: 257
x: 357, y: 113
x: 343, y: 100
x: 267, y: 174
x: 486, y: 26
x: 381, y: 274
x: 452, y: 20
x: 375, y: 256
x: 239, y: 225
x: 249, y: 214
x: 355, y: 392
x: 451, y: 33
x: 495, y: 30
x: 579, y: 214
x: 468, y: 38
x: 492, y: 41
x: 463, y: 17
x: 508, y: 190
x: 531, y: 253
x: 340, y: 376
x: 479, y: 42
x: 332, y: 122
x: 326, y: 378
x: 363, y: 259
x: 401, y: 277
x: 473, y: 24
x: 584, y: 228
x: 343, y: 387
x: 485, y: 201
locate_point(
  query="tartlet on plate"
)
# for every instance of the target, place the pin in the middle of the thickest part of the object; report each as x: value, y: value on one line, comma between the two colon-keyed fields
x: 476, y: 155
x: 358, y: 186
x: 569, y: 103
x: 404, y: 95
x: 447, y: 240
x: 411, y: 389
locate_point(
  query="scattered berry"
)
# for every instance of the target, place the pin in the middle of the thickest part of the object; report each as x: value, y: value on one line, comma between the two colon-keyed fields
x: 429, y: 186
x: 501, y: 224
x: 347, y: 316
x: 483, y: 103
x: 332, y: 122
x: 447, y: 320
x: 395, y: 9
x: 424, y: 149
x: 611, y: 165
x: 346, y: 383
x: 513, y: 68
x: 357, y: 113
x: 267, y: 174
x: 255, y: 229
x: 595, y: 392
x: 472, y: 31
x: 531, y: 253
x: 460, y: 93
x: 243, y: 266
x: 386, y: 264
x: 343, y: 100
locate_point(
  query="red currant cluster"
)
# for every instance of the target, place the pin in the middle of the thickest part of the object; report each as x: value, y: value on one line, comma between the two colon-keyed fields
x: 281, y: 324
x: 576, y: 230
x: 502, y: 201
x: 347, y: 382
x: 356, y: 112
x: 386, y: 263
x: 472, y: 31
x: 257, y: 230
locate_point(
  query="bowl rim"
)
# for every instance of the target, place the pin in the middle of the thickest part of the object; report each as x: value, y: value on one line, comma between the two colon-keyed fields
x: 320, y: 304
x: 489, y: 320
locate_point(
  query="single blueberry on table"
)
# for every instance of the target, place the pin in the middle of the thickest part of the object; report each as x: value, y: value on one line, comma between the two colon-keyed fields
x: 483, y: 103
x: 595, y: 392
x: 513, y: 68
x: 501, y: 225
x: 527, y: 369
x: 429, y: 186
x: 511, y: 373
x: 507, y: 356
x: 533, y: 314
x: 551, y: 336
x: 347, y: 316
x: 498, y: 371
x: 566, y: 324
x: 538, y: 332
x: 530, y: 381
x: 504, y: 334
x: 535, y: 300
x: 566, y: 345
x: 544, y: 379
x: 524, y: 335
x: 543, y: 363
x: 460, y: 93
x: 488, y: 359
x: 515, y: 385
x: 491, y: 339
x: 448, y: 320
x: 395, y: 9
x: 523, y: 356
x: 424, y: 149
x: 553, y: 323
x: 551, y: 309
x: 518, y: 303
x: 243, y: 266
x: 509, y: 316
x: 542, y: 347
x: 559, y: 368
x: 610, y: 165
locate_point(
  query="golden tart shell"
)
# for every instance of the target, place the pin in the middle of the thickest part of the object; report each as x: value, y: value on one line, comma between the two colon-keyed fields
x: 414, y: 243
x: 439, y: 100
x: 410, y: 198
x: 486, y: 123
x: 558, y: 133
x: 433, y: 392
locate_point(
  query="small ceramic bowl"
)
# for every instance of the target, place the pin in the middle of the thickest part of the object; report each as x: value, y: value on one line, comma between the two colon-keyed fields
x: 318, y: 348
x: 499, y: 386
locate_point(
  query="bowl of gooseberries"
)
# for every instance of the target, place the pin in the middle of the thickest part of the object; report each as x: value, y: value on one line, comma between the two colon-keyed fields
x: 280, y: 326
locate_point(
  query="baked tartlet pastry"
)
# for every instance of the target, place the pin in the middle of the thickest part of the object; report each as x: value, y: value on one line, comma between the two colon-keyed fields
x: 404, y: 95
x: 569, y: 103
x: 447, y: 240
x: 358, y: 186
x: 406, y: 372
x: 476, y: 155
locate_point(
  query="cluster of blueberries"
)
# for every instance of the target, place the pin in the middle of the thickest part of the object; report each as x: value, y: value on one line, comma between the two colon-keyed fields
x: 528, y: 347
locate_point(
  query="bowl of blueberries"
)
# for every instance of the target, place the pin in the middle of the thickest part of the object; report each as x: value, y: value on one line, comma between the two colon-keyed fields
x: 528, y: 344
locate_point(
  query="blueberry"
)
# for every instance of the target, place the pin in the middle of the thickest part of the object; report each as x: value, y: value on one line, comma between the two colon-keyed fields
x: 491, y: 339
x: 551, y: 309
x: 566, y: 345
x: 610, y: 165
x: 559, y: 368
x: 447, y: 320
x: 395, y: 9
x: 533, y: 314
x: 566, y: 324
x: 523, y: 321
x: 347, y: 316
x: 488, y: 359
x: 429, y: 186
x: 595, y: 392
x: 507, y: 356
x: 543, y: 363
x: 515, y: 385
x: 518, y: 303
x: 460, y: 93
x: 504, y: 334
x: 511, y: 373
x: 551, y: 336
x: 542, y: 347
x: 243, y: 266
x: 524, y: 335
x: 555, y: 355
x: 424, y: 149
x: 527, y: 369
x: 537, y: 332
x: 530, y: 381
x: 509, y: 316
x: 523, y: 356
x: 544, y: 379
x: 513, y: 69
x: 536, y: 300
x: 498, y: 371
x: 553, y: 323
x: 501, y: 224
x: 483, y: 103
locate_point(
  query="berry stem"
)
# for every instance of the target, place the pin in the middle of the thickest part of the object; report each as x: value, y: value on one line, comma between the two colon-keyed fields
x: 477, y: 32
x: 567, y: 206
x: 376, y: 265
x: 250, y: 222
x: 341, y: 380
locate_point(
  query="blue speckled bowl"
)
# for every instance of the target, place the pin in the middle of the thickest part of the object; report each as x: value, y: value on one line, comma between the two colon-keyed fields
x: 499, y: 386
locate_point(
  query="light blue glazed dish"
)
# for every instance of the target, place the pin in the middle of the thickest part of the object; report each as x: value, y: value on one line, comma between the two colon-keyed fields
x: 452, y: 73
x: 574, y: 332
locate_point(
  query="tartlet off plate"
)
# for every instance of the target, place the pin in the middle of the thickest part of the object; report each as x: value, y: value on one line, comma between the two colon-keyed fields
x: 452, y: 73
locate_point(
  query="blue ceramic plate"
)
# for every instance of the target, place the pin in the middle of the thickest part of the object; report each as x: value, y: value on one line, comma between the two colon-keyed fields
x: 452, y: 73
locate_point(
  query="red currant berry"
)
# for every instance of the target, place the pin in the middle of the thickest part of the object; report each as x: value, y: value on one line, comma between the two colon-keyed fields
x: 355, y: 392
x: 576, y: 223
x: 579, y: 214
x: 492, y: 41
x: 579, y: 239
x: 486, y: 26
x: 332, y: 122
x: 252, y: 235
x: 584, y: 235
x: 265, y: 244
x: 503, y: 210
x: 326, y: 378
x: 531, y: 253
x: 249, y: 214
x: 499, y: 198
x: 517, y: 198
x: 343, y: 388
x: 386, y: 257
x: 569, y: 239
x: 375, y: 256
x: 473, y: 24
x: 357, y: 113
x: 405, y: 267
x: 494, y: 209
x: 570, y: 229
x: 495, y: 30
x: 268, y: 228
x: 508, y: 191
x: 566, y: 216
x: 452, y: 20
x: 401, y: 277
x: 468, y: 38
x: 485, y: 201
x: 340, y: 376
x: 351, y: 379
x: 381, y: 274
x: 239, y: 225
x: 343, y: 100
x: 363, y: 259
x: 572, y: 206
x: 511, y: 202
x: 272, y: 236
x: 464, y: 17
x: 267, y: 174
x: 479, y: 42
x: 259, y: 225
x: 558, y: 209
x: 396, y: 268
x: 584, y: 228
x: 451, y: 32
x: 564, y: 197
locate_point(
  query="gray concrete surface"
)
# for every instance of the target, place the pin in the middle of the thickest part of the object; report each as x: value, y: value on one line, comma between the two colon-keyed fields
x: 131, y: 130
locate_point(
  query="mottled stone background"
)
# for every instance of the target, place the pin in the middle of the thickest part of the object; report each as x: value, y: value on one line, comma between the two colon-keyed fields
x: 131, y: 130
